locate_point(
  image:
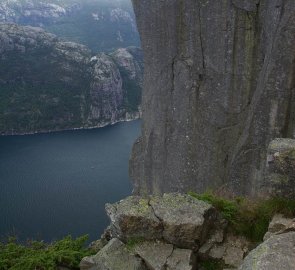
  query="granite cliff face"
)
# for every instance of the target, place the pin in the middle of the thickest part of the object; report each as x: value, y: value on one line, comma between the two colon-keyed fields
x: 219, y: 85
x: 48, y: 84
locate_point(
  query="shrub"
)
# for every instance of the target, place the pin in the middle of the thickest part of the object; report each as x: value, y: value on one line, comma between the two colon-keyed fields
x: 67, y: 252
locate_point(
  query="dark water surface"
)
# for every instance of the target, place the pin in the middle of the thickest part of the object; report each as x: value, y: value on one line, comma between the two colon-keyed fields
x: 52, y: 185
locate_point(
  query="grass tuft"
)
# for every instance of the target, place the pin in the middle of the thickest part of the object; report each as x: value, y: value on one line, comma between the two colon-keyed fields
x: 247, y: 217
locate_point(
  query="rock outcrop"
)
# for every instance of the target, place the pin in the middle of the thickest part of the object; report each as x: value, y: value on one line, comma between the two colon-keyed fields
x: 280, y: 176
x: 49, y: 84
x: 114, y: 256
x: 171, y: 232
x: 178, y: 219
x: 275, y: 253
x: 219, y: 86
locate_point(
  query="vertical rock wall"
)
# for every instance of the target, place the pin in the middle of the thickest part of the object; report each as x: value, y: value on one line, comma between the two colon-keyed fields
x: 219, y: 85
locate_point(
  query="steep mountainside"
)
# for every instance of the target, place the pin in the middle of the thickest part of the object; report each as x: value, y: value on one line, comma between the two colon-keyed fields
x: 219, y: 85
x: 48, y: 84
x: 102, y: 25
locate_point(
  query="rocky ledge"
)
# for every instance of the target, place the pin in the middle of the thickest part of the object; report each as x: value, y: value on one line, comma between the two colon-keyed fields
x: 178, y: 232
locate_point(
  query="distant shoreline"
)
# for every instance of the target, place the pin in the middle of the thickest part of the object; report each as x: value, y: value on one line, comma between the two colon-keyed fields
x: 137, y: 116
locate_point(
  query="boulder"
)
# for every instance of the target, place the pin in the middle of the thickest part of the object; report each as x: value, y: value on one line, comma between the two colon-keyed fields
x: 181, y: 259
x: 275, y: 253
x: 278, y: 224
x: 186, y: 221
x: 231, y: 251
x: 179, y: 219
x: 280, y: 174
x: 154, y: 253
x: 114, y: 256
x: 133, y: 218
x: 162, y: 256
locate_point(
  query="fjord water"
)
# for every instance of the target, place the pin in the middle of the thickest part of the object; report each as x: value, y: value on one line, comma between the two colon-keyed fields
x: 56, y: 184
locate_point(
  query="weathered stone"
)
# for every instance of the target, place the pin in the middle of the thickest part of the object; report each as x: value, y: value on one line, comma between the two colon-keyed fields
x: 277, y: 252
x: 181, y: 259
x: 216, y: 236
x: 277, y: 224
x: 248, y: 5
x: 154, y: 254
x: 231, y: 251
x: 114, y: 256
x: 179, y: 219
x: 233, y: 256
x: 132, y: 218
x: 98, y: 244
x: 186, y: 221
x: 280, y: 177
x: 219, y: 86
x: 217, y: 252
x: 87, y: 263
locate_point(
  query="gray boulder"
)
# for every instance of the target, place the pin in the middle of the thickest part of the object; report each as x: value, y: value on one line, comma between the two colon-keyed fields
x: 280, y: 177
x: 179, y: 219
x: 133, y: 218
x: 114, y: 256
x: 277, y: 252
x: 162, y: 256
x: 181, y: 259
x: 186, y: 221
x: 278, y: 224
x: 154, y: 253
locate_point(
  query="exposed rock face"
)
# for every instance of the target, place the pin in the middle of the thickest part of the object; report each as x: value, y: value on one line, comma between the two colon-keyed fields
x: 48, y: 84
x: 178, y: 219
x: 279, y: 225
x: 114, y: 256
x: 280, y: 177
x: 169, y: 232
x: 219, y: 86
x: 276, y: 253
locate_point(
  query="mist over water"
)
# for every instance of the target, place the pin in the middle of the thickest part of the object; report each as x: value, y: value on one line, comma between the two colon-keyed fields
x: 57, y: 184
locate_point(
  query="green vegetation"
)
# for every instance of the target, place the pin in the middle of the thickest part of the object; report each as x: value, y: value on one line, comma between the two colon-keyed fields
x: 246, y: 217
x: 132, y: 242
x: 213, y: 265
x: 67, y: 252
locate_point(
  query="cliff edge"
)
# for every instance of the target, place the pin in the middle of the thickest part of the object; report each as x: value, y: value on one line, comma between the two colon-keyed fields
x: 219, y: 86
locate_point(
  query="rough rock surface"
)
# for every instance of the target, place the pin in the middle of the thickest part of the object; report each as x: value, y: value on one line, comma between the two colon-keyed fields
x: 280, y: 177
x: 133, y: 218
x: 219, y: 86
x: 114, y: 256
x: 155, y: 230
x: 178, y: 219
x: 230, y: 249
x: 154, y: 254
x: 277, y: 252
x: 49, y: 84
x: 279, y: 224
x: 185, y: 220
x: 159, y: 256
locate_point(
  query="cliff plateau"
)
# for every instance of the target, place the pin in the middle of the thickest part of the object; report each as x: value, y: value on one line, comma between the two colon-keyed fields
x: 219, y: 86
